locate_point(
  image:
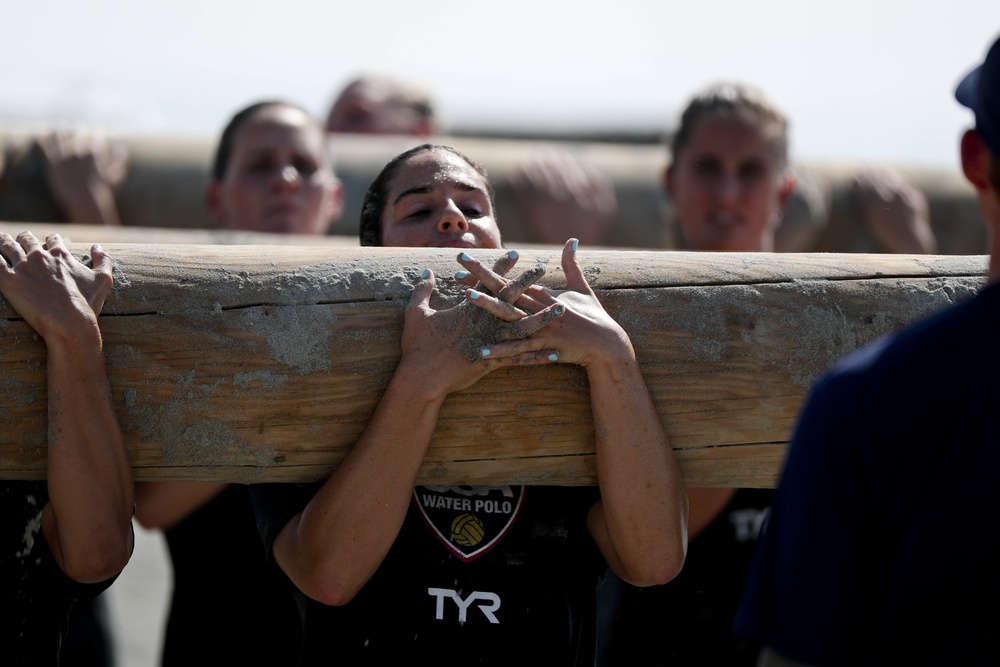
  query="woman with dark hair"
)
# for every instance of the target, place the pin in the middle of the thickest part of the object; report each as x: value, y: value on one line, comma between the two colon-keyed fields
x: 270, y: 173
x: 386, y: 572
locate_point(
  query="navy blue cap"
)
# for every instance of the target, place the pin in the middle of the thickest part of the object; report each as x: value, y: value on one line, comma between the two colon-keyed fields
x: 980, y: 91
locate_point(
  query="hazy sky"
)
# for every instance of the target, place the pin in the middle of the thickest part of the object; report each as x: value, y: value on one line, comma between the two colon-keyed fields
x: 861, y: 80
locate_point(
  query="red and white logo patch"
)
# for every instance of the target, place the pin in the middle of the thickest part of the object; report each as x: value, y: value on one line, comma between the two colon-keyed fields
x: 469, y: 520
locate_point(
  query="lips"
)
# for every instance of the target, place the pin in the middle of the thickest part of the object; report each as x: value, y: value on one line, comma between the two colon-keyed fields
x: 724, y: 220
x: 282, y: 218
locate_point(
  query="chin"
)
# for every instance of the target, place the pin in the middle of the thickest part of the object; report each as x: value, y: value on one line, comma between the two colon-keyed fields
x: 458, y: 244
x: 284, y: 226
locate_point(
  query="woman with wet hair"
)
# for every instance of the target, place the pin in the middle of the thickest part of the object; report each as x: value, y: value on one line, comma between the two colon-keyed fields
x: 388, y: 572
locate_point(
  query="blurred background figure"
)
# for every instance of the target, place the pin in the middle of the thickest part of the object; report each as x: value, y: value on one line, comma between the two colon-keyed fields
x: 562, y: 198
x: 557, y: 196
x: 271, y: 173
x: 84, y: 173
x: 729, y: 177
x: 67, y: 175
x: 728, y: 180
x: 806, y: 213
x: 894, y: 211
x: 375, y: 104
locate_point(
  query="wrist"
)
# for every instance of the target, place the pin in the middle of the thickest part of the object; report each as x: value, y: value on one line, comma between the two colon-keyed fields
x: 77, y: 338
x: 616, y: 362
x: 94, y: 204
x: 415, y: 385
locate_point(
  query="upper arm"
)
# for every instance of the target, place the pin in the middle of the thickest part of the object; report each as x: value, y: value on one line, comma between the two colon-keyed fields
x: 163, y: 505
x: 277, y: 507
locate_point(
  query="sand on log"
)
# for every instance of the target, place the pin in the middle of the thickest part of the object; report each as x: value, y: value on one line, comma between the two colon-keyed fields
x: 263, y: 363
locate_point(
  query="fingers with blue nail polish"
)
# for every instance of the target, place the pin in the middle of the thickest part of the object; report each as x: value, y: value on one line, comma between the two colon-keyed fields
x: 554, y: 356
x: 485, y: 351
x: 473, y: 294
x: 425, y: 274
x: 461, y: 275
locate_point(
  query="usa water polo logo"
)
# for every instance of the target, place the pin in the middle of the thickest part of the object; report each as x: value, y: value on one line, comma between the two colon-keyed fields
x: 469, y: 520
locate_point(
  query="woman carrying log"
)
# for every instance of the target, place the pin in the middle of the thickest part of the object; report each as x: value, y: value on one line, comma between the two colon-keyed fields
x: 386, y: 572
x: 64, y: 539
x: 271, y: 173
x: 728, y: 182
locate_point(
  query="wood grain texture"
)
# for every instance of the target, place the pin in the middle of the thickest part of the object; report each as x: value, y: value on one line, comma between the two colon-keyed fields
x: 263, y: 363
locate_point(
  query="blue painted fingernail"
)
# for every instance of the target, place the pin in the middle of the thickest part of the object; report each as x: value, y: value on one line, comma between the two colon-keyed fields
x: 560, y: 309
x: 465, y: 257
x: 576, y: 244
x: 461, y: 275
x: 485, y: 351
x: 473, y: 294
x: 554, y: 356
x: 512, y: 254
x: 425, y: 274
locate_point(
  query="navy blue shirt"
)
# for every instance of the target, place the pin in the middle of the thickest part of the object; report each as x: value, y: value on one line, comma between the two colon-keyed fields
x: 882, y: 545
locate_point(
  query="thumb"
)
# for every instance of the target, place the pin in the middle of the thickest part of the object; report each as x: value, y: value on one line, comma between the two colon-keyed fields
x: 421, y: 296
x: 100, y: 260
x: 575, y: 279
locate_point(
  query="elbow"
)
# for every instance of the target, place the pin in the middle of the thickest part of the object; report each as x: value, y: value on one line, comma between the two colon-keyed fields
x: 658, y: 570
x: 100, y: 561
x: 653, y: 575
x: 336, y: 596
x: 664, y: 572
x: 331, y: 591
x: 321, y: 579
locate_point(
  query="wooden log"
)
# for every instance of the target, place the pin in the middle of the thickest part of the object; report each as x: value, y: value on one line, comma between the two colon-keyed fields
x: 166, y: 235
x: 167, y: 178
x: 251, y: 363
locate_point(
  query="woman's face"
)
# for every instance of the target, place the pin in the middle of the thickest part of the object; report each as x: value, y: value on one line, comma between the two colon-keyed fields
x: 278, y: 179
x: 437, y: 200
x: 728, y: 186
x: 368, y: 107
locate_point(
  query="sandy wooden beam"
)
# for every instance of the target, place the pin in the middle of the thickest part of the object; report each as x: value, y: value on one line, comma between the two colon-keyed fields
x: 263, y: 363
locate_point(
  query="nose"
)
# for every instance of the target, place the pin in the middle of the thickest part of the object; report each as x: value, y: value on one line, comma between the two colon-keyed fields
x: 452, y: 219
x: 727, y: 189
x: 287, y: 177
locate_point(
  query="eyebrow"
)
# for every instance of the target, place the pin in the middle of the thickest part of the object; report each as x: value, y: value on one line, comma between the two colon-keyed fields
x: 426, y: 189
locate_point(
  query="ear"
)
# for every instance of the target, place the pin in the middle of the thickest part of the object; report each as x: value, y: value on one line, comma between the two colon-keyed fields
x: 975, y: 159
x: 425, y: 128
x: 787, y: 188
x: 334, y: 201
x: 668, y: 181
x: 213, y: 202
